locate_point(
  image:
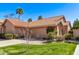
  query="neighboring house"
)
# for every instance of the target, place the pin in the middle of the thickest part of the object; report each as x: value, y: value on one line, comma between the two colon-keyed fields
x: 38, y: 29
x: 76, y: 32
x: 1, y: 22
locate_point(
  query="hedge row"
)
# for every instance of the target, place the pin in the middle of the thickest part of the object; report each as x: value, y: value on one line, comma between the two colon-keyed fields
x: 9, y: 36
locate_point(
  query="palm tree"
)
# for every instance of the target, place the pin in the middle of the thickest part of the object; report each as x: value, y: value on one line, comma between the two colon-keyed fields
x: 29, y: 31
x: 19, y: 11
x: 29, y: 20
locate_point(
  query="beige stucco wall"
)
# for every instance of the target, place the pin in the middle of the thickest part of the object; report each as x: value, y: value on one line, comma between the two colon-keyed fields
x: 39, y: 32
x: 58, y: 30
x: 9, y: 28
x: 69, y: 28
x: 20, y: 31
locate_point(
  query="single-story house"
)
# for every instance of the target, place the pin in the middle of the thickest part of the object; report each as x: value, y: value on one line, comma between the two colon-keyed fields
x: 58, y: 23
x: 38, y: 28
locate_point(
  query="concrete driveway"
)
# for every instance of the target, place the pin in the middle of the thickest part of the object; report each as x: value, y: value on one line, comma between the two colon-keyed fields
x: 77, y: 50
x: 18, y: 41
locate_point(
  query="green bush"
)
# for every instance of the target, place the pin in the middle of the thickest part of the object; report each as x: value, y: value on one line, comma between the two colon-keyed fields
x: 15, y: 36
x: 9, y: 36
x: 68, y: 36
x: 50, y: 35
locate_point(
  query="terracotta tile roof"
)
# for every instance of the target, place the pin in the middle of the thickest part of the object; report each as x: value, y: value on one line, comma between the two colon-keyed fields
x: 18, y: 23
x: 51, y: 21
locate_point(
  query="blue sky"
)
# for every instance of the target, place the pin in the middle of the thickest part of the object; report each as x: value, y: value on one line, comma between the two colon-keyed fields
x: 33, y: 10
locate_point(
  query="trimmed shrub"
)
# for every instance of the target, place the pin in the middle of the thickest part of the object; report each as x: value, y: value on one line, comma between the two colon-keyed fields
x: 68, y: 36
x: 9, y: 36
x: 2, y: 35
x: 14, y: 36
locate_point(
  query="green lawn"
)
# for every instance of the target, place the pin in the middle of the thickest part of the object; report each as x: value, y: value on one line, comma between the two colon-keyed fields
x: 55, y: 48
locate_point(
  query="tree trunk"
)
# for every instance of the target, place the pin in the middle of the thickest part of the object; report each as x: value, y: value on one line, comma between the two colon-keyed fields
x: 27, y: 39
x: 19, y: 16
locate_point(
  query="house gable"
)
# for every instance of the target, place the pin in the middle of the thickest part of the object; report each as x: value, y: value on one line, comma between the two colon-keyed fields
x: 8, y: 27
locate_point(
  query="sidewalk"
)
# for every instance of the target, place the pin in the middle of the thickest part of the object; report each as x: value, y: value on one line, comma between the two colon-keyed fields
x: 77, y: 50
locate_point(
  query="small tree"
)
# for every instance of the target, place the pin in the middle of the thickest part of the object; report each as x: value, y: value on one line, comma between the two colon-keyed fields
x: 40, y: 17
x: 76, y: 24
x: 29, y: 20
x: 52, y: 35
